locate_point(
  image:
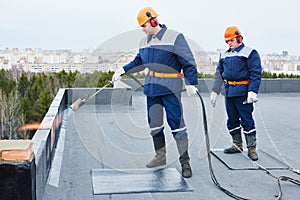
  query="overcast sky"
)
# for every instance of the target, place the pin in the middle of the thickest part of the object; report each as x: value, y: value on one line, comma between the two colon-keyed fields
x: 270, y: 26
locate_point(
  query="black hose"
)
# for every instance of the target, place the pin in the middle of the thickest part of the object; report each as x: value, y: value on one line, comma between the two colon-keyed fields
x: 212, y: 175
x: 135, y: 79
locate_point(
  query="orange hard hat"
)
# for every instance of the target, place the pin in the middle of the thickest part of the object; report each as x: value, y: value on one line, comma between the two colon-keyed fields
x: 232, y: 32
x: 146, y: 14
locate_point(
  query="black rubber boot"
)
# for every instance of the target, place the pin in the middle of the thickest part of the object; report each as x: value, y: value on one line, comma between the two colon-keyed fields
x: 184, y: 159
x: 160, y: 150
x: 251, y: 145
x: 237, y: 146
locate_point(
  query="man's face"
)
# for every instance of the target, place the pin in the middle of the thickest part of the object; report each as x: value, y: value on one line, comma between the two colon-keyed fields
x: 232, y: 43
x: 148, y: 29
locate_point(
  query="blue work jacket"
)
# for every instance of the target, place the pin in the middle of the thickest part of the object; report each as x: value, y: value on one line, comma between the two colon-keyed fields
x: 166, y: 52
x: 240, y: 64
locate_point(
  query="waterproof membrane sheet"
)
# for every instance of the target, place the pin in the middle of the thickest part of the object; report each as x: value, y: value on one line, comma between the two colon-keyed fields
x: 112, y: 181
x: 240, y: 161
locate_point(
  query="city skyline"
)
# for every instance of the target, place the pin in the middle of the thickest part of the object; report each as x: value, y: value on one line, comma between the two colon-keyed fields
x: 102, y: 59
x: 268, y: 26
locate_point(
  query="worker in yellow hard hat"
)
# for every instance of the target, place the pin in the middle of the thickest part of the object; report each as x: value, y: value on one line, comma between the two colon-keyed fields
x: 239, y: 69
x: 168, y: 58
x: 145, y: 15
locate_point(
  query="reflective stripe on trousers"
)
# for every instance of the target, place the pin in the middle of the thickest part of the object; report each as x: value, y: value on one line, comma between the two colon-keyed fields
x: 173, y: 109
x: 239, y: 115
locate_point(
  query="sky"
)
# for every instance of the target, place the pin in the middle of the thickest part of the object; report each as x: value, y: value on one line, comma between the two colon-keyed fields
x: 266, y: 25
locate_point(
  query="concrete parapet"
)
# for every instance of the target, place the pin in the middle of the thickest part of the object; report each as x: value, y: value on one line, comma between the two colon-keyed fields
x: 45, y: 138
x: 286, y: 85
x: 42, y: 151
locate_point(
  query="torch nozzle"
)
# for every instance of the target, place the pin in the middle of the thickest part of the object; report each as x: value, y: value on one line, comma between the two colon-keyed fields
x: 77, y: 104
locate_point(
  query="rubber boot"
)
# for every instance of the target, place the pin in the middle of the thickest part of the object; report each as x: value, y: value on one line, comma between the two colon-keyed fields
x: 160, y: 150
x: 251, y: 145
x: 184, y: 159
x: 237, y: 146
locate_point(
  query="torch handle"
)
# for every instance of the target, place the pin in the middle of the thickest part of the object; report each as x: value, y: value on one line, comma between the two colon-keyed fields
x: 98, y: 91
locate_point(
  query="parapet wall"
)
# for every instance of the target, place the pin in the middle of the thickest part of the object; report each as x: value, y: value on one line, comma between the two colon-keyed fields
x: 45, y: 139
x: 280, y: 85
x: 267, y: 85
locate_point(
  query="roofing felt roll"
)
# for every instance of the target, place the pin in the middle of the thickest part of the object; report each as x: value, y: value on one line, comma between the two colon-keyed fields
x: 114, y: 181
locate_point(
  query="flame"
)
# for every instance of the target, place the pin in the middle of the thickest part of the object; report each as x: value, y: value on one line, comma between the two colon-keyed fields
x: 30, y: 126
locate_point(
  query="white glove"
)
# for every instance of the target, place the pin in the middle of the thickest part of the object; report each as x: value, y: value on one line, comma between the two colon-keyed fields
x: 213, y: 98
x: 117, y: 74
x: 191, y: 90
x: 252, y: 97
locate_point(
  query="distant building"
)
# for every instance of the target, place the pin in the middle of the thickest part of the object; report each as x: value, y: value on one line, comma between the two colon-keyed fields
x: 285, y: 53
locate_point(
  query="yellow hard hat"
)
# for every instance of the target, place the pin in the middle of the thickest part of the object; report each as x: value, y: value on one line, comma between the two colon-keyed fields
x: 146, y: 14
x: 232, y: 32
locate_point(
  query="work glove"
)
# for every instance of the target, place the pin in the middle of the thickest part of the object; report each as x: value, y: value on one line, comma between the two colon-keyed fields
x: 252, y: 97
x: 213, y: 98
x: 117, y: 75
x: 191, y: 90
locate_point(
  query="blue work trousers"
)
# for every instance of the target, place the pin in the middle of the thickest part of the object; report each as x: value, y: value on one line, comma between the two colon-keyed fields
x: 173, y: 109
x: 239, y: 115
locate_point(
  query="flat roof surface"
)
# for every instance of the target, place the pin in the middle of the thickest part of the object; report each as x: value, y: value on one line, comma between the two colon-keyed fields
x: 117, y: 137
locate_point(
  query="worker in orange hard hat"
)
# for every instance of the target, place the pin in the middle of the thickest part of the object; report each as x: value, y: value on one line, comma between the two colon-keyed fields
x: 232, y: 32
x: 239, y: 70
x: 168, y: 58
